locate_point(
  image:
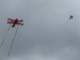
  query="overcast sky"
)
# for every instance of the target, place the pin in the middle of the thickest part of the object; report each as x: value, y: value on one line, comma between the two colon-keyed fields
x: 47, y: 34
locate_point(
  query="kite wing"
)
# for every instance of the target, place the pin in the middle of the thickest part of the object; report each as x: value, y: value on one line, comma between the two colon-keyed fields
x: 19, y: 24
x: 10, y: 21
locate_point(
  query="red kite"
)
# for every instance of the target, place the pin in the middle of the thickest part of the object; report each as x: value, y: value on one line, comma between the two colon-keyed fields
x: 14, y: 22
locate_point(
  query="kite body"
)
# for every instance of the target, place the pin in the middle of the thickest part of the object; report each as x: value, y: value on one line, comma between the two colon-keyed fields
x: 14, y: 22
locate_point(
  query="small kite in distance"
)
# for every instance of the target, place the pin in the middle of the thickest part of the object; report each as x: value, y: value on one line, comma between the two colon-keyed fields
x: 71, y: 17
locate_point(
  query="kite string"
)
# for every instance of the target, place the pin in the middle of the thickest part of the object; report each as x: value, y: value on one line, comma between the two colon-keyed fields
x: 3, y: 40
x: 12, y: 42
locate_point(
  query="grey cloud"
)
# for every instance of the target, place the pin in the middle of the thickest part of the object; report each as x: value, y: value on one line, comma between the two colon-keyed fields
x: 47, y: 34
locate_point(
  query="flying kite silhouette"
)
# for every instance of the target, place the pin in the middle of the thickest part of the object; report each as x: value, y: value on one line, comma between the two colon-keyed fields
x: 14, y: 23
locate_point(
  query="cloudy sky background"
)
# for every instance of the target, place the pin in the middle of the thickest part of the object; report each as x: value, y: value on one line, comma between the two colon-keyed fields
x: 48, y: 34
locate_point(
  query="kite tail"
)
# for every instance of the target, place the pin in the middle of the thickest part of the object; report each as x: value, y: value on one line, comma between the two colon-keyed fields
x: 2, y: 42
x: 12, y: 42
